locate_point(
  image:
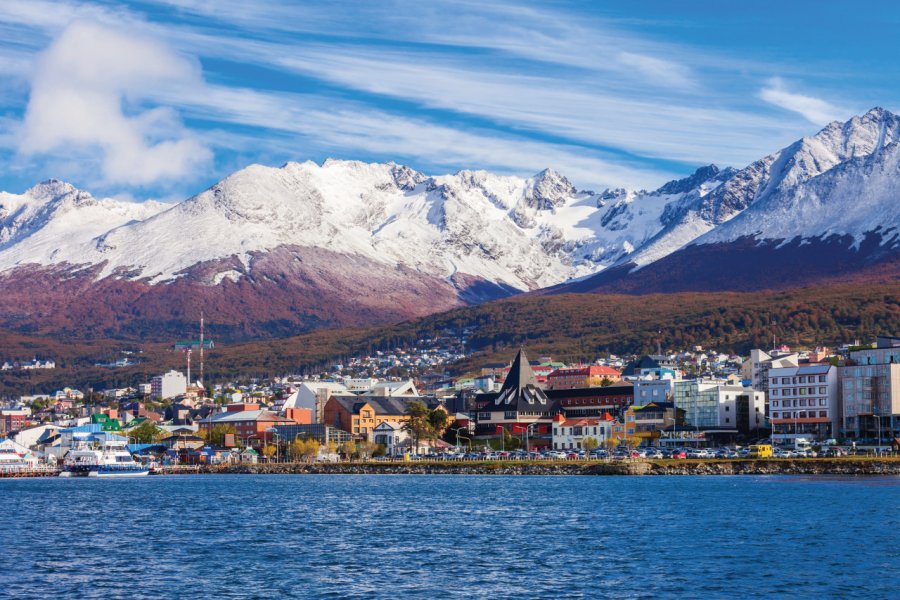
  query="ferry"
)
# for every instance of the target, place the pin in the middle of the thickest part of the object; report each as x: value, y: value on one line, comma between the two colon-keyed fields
x: 104, y: 457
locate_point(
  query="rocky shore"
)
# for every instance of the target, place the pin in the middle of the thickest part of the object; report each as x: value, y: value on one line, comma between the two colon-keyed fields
x: 839, y: 466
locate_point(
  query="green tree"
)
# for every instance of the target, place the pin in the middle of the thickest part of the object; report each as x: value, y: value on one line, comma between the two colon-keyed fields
x: 217, y: 435
x: 146, y: 433
x: 589, y: 444
x: 419, y: 424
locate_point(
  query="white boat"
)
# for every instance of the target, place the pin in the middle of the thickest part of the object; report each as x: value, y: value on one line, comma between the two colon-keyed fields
x: 116, y: 461
x: 12, y: 461
x: 101, y: 455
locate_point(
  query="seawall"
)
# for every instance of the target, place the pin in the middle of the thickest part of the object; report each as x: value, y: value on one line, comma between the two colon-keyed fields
x: 839, y: 466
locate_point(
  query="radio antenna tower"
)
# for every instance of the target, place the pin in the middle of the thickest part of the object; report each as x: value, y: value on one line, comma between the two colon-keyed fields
x: 189, y: 345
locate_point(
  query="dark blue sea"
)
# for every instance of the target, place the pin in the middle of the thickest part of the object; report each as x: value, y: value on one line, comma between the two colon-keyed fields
x: 311, y: 536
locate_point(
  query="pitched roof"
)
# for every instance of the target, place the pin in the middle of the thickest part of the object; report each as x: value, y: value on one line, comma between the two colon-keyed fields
x: 381, y: 405
x: 520, y: 390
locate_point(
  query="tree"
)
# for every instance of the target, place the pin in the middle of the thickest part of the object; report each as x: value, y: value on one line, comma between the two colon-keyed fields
x: 145, y: 433
x: 418, y: 424
x: 380, y: 450
x: 216, y: 437
x: 366, y: 449
x: 331, y: 447
x: 348, y: 449
x: 305, y: 448
x: 611, y: 443
x: 589, y: 444
x: 269, y: 451
x: 296, y: 448
x: 634, y: 441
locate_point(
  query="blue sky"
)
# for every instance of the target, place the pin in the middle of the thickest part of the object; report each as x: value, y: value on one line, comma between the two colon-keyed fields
x: 162, y: 99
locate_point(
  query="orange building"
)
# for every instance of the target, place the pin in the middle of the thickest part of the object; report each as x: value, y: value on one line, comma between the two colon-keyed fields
x: 582, y: 377
x: 360, y: 415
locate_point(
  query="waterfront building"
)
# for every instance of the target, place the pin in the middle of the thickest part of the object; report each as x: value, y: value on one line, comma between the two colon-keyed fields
x: 647, y: 421
x: 870, y: 384
x: 168, y: 385
x: 520, y: 406
x: 251, y: 423
x: 569, y: 434
x: 324, y: 434
x: 594, y: 402
x: 360, y: 415
x: 804, y: 402
x: 393, y: 436
x: 716, y: 403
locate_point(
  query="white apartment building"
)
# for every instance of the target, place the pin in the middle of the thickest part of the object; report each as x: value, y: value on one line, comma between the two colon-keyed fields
x: 756, y: 368
x: 804, y: 402
x: 169, y: 385
x: 716, y: 403
x: 568, y: 434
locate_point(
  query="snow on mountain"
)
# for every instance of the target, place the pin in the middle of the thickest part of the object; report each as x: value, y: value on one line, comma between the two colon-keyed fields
x: 778, y: 175
x: 844, y: 181
x: 517, y: 233
x: 53, y: 216
x: 307, y: 224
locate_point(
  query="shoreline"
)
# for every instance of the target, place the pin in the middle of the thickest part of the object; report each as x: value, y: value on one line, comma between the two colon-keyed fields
x: 825, y: 466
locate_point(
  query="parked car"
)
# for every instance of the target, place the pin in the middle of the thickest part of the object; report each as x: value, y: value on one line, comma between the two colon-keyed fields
x: 679, y: 454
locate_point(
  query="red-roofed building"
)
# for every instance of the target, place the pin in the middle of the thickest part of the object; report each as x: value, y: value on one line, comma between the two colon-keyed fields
x: 582, y: 377
x: 569, y: 434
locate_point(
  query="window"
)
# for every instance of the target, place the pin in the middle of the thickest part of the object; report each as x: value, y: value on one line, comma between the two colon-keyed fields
x: 775, y: 415
x: 775, y: 404
x: 823, y: 402
x: 822, y: 379
x: 727, y: 420
x: 823, y: 413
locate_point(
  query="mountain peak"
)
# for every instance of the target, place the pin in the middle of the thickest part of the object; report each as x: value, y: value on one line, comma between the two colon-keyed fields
x: 698, y: 177
x: 551, y: 189
x: 53, y: 188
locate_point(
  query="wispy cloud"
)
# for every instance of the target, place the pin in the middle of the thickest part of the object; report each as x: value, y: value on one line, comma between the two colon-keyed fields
x: 814, y: 110
x: 78, y: 95
x: 511, y: 86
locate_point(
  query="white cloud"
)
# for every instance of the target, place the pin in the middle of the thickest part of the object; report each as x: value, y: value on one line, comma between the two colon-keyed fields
x: 657, y: 70
x: 88, y: 104
x: 815, y: 110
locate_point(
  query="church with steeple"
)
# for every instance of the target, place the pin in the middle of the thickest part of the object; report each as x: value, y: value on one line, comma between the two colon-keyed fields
x: 520, y: 404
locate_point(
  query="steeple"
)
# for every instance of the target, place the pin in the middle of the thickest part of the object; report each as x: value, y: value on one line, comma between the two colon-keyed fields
x: 520, y: 374
x: 521, y: 385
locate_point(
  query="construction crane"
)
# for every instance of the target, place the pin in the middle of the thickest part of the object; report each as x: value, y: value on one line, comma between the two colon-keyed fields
x: 189, y: 346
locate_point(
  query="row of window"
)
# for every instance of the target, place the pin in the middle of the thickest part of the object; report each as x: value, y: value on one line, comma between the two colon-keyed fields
x: 803, y: 414
x: 801, y: 402
x: 800, y: 379
x: 804, y: 391
x: 579, y: 430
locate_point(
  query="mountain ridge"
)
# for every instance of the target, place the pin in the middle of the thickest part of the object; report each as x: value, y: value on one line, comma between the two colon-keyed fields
x: 305, y: 245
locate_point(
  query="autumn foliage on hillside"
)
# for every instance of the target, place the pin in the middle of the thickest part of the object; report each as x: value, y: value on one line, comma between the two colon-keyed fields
x: 570, y: 327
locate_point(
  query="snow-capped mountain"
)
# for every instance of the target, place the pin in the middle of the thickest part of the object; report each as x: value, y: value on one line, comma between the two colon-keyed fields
x: 276, y: 250
x: 517, y: 234
x: 829, y: 202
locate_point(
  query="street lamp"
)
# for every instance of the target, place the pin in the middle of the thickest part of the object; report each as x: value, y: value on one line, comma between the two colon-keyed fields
x: 458, y: 429
x: 527, y: 439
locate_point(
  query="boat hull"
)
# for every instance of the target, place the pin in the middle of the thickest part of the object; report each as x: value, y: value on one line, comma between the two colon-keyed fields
x: 119, y: 473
